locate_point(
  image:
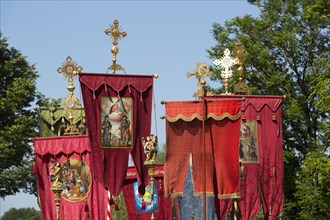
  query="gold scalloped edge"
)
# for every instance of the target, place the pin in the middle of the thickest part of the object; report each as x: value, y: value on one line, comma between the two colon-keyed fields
x: 224, y: 115
x: 184, y: 118
x: 199, y: 117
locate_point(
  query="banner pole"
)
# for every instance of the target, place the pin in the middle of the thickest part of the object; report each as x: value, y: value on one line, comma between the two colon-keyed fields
x: 204, y: 150
x: 109, y: 206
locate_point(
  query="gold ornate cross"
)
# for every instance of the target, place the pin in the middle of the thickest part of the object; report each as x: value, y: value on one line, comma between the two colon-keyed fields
x: 200, y: 73
x: 115, y: 33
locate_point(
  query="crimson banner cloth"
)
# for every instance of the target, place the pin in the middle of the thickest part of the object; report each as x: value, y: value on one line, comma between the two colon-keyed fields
x: 163, y: 205
x: 82, y: 196
x: 263, y: 179
x: 110, y: 164
x: 184, y: 139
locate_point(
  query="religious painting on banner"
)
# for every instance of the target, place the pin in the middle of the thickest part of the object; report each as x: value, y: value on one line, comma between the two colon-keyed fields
x: 116, y: 122
x: 248, y: 152
x: 75, y: 175
x: 143, y: 203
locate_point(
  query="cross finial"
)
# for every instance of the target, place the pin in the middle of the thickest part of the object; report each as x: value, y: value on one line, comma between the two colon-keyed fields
x: 226, y: 63
x: 115, y: 33
x: 200, y: 73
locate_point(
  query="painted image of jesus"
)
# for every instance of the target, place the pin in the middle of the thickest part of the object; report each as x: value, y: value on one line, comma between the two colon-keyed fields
x: 119, y: 115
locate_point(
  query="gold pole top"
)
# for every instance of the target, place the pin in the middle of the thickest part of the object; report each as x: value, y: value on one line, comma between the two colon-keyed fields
x: 200, y: 73
x: 241, y: 87
x: 70, y: 70
x: 115, y: 33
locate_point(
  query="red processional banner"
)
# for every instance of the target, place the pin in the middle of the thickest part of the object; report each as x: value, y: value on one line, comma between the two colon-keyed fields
x: 218, y: 142
x: 67, y: 159
x: 139, y: 207
x: 262, y: 156
x: 118, y: 115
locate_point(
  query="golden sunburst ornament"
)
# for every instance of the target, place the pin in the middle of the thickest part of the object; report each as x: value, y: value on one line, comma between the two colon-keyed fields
x: 69, y: 69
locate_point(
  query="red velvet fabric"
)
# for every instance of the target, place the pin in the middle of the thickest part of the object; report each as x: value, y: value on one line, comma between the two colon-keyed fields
x: 271, y: 162
x: 164, y: 204
x: 62, y: 149
x: 182, y: 140
x: 110, y: 165
x: 264, y: 180
x: 249, y: 203
x: 184, y: 137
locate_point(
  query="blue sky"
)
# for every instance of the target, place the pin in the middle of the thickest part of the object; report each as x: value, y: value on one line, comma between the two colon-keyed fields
x: 163, y: 37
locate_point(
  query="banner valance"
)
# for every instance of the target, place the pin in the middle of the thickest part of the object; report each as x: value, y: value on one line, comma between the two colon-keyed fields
x: 257, y: 102
x: 132, y: 174
x: 117, y: 82
x: 64, y: 144
x: 189, y: 110
x: 118, y: 114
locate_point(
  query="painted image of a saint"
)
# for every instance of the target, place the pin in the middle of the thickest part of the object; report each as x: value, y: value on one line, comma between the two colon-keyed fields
x: 116, y: 122
x: 248, y: 141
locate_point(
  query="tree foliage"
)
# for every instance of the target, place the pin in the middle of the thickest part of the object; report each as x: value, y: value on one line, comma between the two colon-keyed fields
x: 18, y: 120
x: 313, y: 185
x: 287, y: 54
x: 22, y: 214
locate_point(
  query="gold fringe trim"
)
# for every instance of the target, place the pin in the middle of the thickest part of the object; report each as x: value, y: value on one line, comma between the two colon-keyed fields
x: 200, y: 194
x: 229, y: 196
x: 199, y: 117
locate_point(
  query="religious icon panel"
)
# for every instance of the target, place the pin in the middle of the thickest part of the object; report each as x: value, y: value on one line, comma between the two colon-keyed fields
x: 248, y: 151
x: 116, y: 122
x: 75, y: 176
x: 143, y: 203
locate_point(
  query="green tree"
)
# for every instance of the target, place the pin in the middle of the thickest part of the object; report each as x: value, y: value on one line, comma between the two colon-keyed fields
x: 22, y: 214
x: 313, y: 187
x: 18, y: 120
x: 288, y: 54
x: 161, y: 155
